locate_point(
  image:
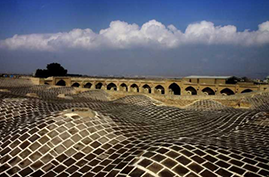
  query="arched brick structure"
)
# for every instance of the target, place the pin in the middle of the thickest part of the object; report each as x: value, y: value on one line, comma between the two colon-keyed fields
x: 146, y: 88
x: 99, y: 85
x: 88, y: 85
x: 227, y: 91
x: 112, y: 86
x: 61, y: 83
x: 247, y: 91
x: 134, y: 88
x: 123, y: 87
x: 175, y: 89
x: 75, y: 84
x: 208, y: 91
x: 191, y: 91
x: 164, y: 86
x: 159, y: 89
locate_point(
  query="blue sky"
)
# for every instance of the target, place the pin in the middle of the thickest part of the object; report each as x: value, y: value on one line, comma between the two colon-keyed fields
x: 54, y: 16
x: 48, y: 16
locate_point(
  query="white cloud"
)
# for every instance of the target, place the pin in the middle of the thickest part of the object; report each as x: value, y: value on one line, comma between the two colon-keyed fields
x: 153, y: 34
x: 264, y: 26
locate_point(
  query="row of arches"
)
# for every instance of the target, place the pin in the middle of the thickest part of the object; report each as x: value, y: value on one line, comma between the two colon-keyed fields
x: 123, y: 87
x: 174, y: 89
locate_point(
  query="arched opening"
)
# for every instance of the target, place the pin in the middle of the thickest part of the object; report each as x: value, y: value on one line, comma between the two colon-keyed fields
x: 175, y: 89
x: 227, y: 91
x: 134, y: 88
x: 146, y: 88
x: 247, y: 91
x: 111, y: 86
x: 191, y: 91
x: 88, y: 85
x: 46, y: 83
x: 123, y: 87
x: 61, y: 83
x: 208, y: 91
x: 159, y: 89
x: 75, y: 85
x: 98, y: 86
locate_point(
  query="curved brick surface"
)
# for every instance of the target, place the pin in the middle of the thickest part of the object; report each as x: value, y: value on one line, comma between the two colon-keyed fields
x: 45, y: 135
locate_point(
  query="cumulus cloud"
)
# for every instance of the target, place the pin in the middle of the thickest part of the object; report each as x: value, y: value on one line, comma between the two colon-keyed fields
x: 153, y: 34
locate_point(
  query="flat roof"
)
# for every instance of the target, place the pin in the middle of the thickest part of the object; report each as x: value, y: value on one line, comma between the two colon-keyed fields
x: 208, y: 77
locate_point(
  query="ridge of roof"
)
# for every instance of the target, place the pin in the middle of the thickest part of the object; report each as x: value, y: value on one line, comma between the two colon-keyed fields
x: 208, y: 77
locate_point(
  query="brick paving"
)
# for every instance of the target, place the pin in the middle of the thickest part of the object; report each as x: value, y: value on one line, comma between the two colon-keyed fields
x: 44, y: 135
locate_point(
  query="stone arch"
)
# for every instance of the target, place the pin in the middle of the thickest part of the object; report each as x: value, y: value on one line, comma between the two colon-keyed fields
x: 159, y: 89
x: 208, y: 91
x: 134, y: 88
x: 75, y: 84
x: 111, y: 86
x: 61, y: 83
x: 227, y: 91
x: 247, y: 91
x: 123, y: 87
x: 175, y: 89
x: 191, y: 91
x: 88, y: 85
x: 146, y: 88
x: 99, y: 85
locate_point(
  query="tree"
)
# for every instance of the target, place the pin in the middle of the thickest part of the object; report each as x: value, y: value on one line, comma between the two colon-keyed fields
x: 53, y: 69
x: 245, y: 79
x: 41, y: 73
x: 232, y: 80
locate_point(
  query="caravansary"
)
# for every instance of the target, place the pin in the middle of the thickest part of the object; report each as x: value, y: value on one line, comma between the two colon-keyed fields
x: 191, y: 85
